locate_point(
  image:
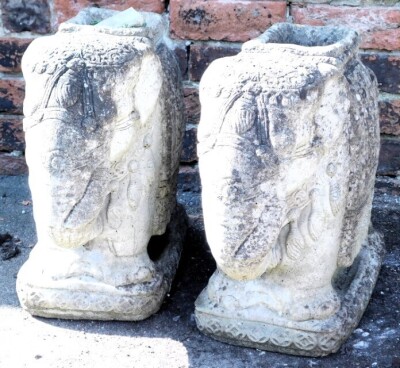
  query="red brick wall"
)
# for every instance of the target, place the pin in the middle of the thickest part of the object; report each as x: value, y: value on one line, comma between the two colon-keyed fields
x: 210, y: 29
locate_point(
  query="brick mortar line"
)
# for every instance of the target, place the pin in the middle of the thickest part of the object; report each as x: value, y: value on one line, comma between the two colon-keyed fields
x: 215, y: 43
x: 189, y: 164
x: 389, y: 137
x: 11, y: 76
x: 239, y: 44
x: 21, y: 35
x: 378, y: 51
x: 11, y: 116
x: 187, y: 48
x: 53, y: 16
x: 191, y: 126
x: 385, y: 96
x: 289, y: 17
x: 189, y: 83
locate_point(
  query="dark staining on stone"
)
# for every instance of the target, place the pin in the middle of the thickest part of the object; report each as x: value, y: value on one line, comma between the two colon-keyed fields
x: 303, y: 94
x: 311, y: 78
x: 317, y: 141
x: 236, y: 176
x: 349, y: 71
x: 196, y: 17
x: 371, y: 75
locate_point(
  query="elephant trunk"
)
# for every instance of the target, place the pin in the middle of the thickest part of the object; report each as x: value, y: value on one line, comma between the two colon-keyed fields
x: 245, y: 246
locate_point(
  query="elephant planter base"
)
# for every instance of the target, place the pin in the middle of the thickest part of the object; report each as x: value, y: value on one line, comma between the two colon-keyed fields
x: 80, y: 298
x: 288, y: 150
x: 103, y: 127
x: 257, y: 327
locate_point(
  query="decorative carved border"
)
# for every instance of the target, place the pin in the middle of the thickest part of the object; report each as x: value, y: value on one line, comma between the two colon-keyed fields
x: 301, y: 340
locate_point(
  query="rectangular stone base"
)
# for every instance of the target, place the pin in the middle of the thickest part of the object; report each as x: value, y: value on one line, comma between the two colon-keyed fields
x: 94, y: 302
x: 80, y: 298
x: 309, y: 338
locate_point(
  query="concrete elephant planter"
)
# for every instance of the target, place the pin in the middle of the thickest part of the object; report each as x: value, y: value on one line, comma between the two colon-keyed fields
x: 288, y: 150
x: 104, y: 124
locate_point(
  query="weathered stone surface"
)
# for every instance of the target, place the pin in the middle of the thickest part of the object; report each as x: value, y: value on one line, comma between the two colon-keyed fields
x: 223, y: 20
x: 11, y: 51
x: 288, y: 150
x: 22, y: 15
x: 12, y: 92
x: 386, y: 67
x: 378, y: 26
x: 201, y: 55
x: 104, y: 125
x: 66, y: 9
x: 11, y: 134
x: 389, y: 114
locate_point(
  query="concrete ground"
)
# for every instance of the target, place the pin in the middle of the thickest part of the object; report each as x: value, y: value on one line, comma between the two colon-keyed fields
x: 170, y: 337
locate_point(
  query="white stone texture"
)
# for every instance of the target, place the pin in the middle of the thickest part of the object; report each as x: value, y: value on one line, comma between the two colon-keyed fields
x: 103, y: 126
x: 288, y: 149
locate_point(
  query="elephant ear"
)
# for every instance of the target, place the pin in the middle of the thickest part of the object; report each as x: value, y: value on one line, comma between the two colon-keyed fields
x: 68, y: 89
x: 241, y: 116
